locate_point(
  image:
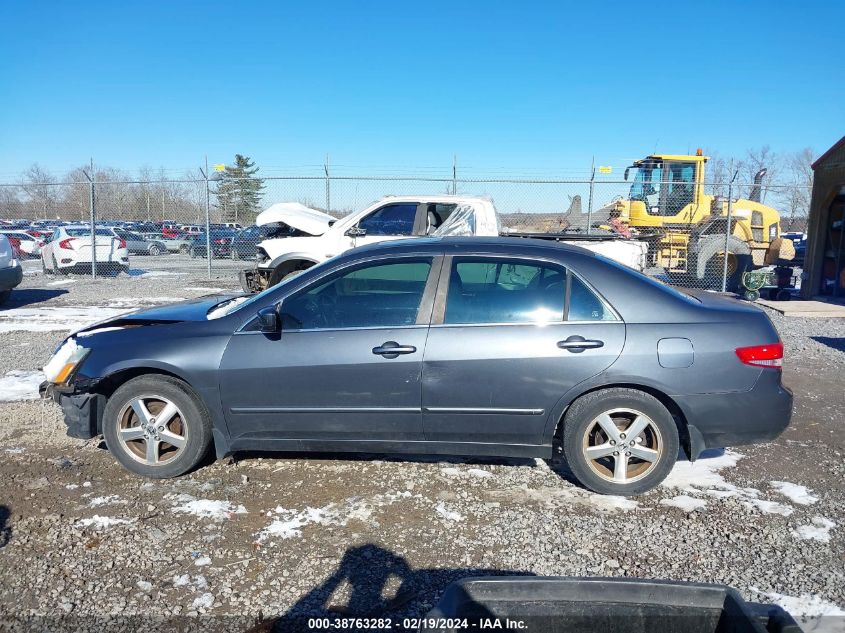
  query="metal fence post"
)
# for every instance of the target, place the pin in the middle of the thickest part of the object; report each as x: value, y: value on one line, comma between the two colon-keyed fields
x: 328, y: 185
x: 207, y: 219
x: 92, y: 209
x: 728, y: 231
x: 590, y: 201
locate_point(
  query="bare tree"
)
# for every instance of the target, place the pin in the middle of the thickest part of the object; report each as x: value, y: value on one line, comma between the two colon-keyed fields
x: 756, y: 160
x: 794, y: 197
x: 36, y: 184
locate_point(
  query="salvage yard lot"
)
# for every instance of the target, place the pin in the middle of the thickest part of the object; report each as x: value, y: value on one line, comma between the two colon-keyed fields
x: 288, y: 535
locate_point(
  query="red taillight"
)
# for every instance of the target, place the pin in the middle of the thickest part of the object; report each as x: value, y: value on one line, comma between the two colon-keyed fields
x: 762, y: 355
x: 121, y: 243
x: 66, y: 244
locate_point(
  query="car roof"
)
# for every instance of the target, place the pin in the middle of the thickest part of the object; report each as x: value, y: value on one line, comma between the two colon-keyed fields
x: 461, y: 245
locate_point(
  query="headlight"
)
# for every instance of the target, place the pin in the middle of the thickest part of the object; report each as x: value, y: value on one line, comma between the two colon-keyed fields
x: 64, y: 362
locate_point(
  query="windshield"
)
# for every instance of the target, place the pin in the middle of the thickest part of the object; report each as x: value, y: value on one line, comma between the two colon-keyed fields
x: 646, y: 185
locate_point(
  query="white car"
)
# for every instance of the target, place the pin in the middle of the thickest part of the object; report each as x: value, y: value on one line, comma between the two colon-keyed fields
x: 69, y: 250
x: 29, y: 245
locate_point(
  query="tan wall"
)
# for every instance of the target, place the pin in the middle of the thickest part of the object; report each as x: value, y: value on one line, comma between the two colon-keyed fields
x: 828, y: 180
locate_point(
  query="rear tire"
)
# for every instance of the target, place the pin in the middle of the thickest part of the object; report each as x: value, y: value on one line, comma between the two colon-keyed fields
x: 612, y: 462
x: 184, y: 249
x: 155, y: 251
x: 140, y: 442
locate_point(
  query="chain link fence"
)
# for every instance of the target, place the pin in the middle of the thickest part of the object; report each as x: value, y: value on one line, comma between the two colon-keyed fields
x: 163, y: 223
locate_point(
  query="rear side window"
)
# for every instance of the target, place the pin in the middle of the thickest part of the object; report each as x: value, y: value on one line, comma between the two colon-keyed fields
x: 377, y: 295
x: 584, y: 305
x: 516, y: 291
x: 505, y: 291
x: 394, y: 219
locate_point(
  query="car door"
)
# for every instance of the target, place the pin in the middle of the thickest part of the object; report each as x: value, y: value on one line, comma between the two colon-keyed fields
x: 509, y: 337
x: 348, y: 362
x: 392, y: 221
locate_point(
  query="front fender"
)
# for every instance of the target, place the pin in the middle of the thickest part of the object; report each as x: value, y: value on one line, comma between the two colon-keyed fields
x: 287, y: 257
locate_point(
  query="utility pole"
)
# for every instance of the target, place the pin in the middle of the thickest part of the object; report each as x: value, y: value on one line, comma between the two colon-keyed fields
x: 454, y: 174
x: 90, y: 177
x: 590, y: 202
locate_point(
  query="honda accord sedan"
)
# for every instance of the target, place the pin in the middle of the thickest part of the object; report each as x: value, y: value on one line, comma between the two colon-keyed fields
x: 470, y: 346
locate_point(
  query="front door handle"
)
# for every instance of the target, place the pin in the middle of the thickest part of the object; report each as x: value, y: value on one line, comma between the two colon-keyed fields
x: 577, y: 344
x: 392, y: 349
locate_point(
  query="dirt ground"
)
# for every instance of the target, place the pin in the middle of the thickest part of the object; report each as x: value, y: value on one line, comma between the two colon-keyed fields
x: 284, y: 537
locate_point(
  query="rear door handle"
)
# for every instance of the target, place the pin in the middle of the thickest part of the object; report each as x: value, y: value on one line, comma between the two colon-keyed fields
x: 577, y: 344
x: 392, y: 349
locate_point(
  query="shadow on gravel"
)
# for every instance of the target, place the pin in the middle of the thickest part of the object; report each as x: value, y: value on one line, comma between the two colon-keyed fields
x: 386, y: 457
x: 28, y: 296
x: 837, y: 343
x: 373, y: 582
x: 5, y: 528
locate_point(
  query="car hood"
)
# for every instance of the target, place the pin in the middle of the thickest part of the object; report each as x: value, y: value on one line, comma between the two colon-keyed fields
x: 296, y: 215
x: 190, y: 310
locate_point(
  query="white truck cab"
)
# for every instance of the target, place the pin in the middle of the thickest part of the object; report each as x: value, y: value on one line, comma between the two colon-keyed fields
x: 313, y: 236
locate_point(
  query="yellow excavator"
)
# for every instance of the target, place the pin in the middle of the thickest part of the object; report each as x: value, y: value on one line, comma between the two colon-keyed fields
x: 685, y: 227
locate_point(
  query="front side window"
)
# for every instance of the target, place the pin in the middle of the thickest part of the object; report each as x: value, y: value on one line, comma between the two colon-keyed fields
x: 647, y: 184
x: 393, y: 219
x: 505, y: 291
x: 376, y: 295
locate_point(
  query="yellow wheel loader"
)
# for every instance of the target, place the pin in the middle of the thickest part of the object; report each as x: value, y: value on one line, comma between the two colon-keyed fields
x: 685, y: 227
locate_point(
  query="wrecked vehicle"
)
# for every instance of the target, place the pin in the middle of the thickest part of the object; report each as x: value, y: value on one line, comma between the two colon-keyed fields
x: 309, y: 236
x: 468, y: 346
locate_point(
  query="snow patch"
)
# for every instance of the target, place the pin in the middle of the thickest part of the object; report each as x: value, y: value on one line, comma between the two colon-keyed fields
x: 106, y: 500
x: 14, y: 451
x: 20, y: 385
x: 202, y: 561
x: 207, y: 508
x: 450, y: 471
x: 768, y: 507
x: 144, y: 585
x: 795, y: 493
x: 478, y: 472
x: 227, y: 307
x: 54, y: 319
x: 139, y: 272
x: 804, y: 606
x: 135, y: 302
x: 205, y: 601
x: 685, y: 503
x: 99, y: 522
x: 819, y: 530
x: 702, y: 474
x: 449, y: 515
x: 289, y: 523
x: 72, y: 486
x: 62, y: 282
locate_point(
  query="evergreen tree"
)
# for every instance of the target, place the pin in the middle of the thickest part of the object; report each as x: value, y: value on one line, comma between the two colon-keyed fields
x: 239, y: 191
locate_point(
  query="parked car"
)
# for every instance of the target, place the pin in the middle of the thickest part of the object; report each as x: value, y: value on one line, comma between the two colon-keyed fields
x: 177, y: 243
x: 29, y: 246
x: 799, y: 240
x: 479, y: 346
x: 11, y: 273
x: 245, y: 241
x: 137, y: 244
x: 70, y: 250
x: 221, y: 244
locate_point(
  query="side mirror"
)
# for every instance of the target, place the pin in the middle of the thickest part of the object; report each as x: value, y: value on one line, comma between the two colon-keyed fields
x: 356, y: 231
x: 269, y: 319
x: 627, y: 170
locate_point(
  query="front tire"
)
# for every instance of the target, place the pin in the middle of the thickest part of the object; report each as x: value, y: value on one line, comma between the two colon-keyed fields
x: 156, y: 427
x: 155, y: 251
x: 619, y: 441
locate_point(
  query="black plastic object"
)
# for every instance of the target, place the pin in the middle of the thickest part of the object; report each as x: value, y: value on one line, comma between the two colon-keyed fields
x: 593, y: 605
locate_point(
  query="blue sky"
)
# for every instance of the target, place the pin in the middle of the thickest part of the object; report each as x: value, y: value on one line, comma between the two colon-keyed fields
x: 384, y: 86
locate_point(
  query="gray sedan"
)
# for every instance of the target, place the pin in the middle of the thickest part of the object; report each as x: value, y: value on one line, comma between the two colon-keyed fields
x: 470, y: 346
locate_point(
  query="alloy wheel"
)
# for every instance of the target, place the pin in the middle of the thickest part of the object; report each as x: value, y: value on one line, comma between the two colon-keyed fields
x: 622, y: 445
x: 152, y: 429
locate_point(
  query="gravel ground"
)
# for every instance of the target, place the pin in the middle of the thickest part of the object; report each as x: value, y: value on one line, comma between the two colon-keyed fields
x: 290, y: 536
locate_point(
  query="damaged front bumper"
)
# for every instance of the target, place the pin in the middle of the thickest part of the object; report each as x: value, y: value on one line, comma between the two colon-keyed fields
x: 254, y: 279
x: 83, y: 412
